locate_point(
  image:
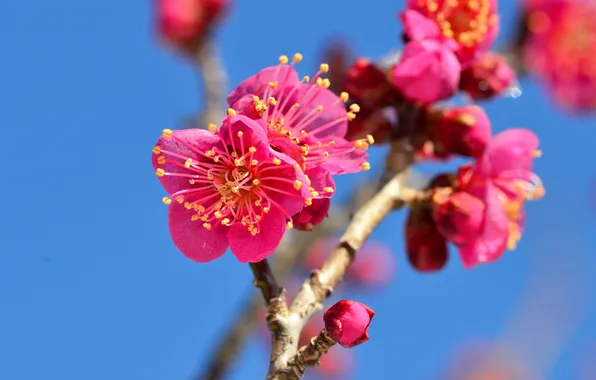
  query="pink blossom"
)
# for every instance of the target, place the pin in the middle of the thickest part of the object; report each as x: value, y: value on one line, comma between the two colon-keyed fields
x: 347, y: 322
x: 560, y: 49
x: 428, y: 71
x: 501, y: 180
x: 470, y: 26
x: 228, y: 187
x: 312, y: 215
x: 308, y: 123
x: 464, y: 131
x: 184, y: 23
x: 369, y: 84
x: 489, y: 75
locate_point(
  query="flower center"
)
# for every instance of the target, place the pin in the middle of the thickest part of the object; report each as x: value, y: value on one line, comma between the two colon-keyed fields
x: 466, y: 21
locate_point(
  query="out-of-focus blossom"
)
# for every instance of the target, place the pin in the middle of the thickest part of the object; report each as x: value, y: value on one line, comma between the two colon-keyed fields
x: 488, y: 76
x: 426, y: 247
x: 305, y: 121
x: 369, y: 86
x: 373, y: 267
x: 347, y: 322
x: 337, y: 54
x: 470, y: 26
x: 484, y: 361
x: 427, y: 71
x: 463, y: 131
x: 489, y: 218
x: 185, y: 23
x: 227, y: 188
x: 559, y: 49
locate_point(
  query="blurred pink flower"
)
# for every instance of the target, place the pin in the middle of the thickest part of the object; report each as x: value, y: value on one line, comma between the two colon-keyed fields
x: 560, y: 49
x: 305, y: 121
x: 347, y: 322
x: 427, y: 71
x: 185, y: 23
x: 470, y: 26
x: 488, y: 76
x: 227, y: 187
x: 489, y: 219
x: 373, y: 267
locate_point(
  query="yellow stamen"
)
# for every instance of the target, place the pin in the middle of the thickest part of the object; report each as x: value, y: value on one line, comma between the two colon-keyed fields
x: 166, y: 200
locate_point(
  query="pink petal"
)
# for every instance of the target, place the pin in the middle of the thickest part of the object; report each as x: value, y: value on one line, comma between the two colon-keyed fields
x: 331, y: 121
x: 418, y: 27
x: 428, y: 71
x: 321, y: 179
x: 312, y: 215
x: 253, y: 134
x: 343, y: 158
x: 509, y: 152
x: 248, y: 248
x: 257, y: 84
x: 192, y: 239
x: 199, y: 140
x: 492, y: 241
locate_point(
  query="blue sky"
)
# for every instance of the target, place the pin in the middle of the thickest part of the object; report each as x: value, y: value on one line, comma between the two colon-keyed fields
x: 91, y: 284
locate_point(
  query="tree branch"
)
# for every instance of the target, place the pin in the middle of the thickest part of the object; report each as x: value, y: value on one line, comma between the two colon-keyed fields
x: 322, y: 282
x: 214, y: 77
x: 310, y: 354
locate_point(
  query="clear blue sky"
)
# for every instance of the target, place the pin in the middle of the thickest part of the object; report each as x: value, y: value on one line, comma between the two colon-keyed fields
x: 91, y: 286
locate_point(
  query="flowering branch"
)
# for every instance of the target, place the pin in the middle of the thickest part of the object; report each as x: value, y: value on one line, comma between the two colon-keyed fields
x: 214, y: 78
x: 322, y: 282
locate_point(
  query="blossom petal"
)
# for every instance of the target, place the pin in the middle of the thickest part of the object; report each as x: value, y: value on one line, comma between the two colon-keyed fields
x: 192, y: 239
x: 282, y: 186
x: 241, y: 133
x: 249, y: 248
x: 509, y: 151
x: 330, y: 122
x: 258, y: 84
x: 418, y: 27
x: 322, y: 181
x: 187, y: 143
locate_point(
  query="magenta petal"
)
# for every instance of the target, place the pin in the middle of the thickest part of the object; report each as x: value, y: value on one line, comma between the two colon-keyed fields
x: 248, y: 248
x: 418, y: 27
x: 199, y: 139
x: 327, y: 124
x: 254, y: 134
x: 321, y: 179
x: 428, y: 71
x: 192, y: 239
x: 283, y: 193
x: 492, y: 241
x: 509, y: 151
x: 343, y: 159
x: 312, y: 215
x: 257, y: 84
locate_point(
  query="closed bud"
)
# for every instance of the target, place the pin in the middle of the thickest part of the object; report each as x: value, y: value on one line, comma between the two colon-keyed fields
x: 426, y: 247
x: 369, y: 84
x: 347, y: 322
x: 464, y: 131
x: 488, y: 76
x: 459, y: 217
x: 312, y: 215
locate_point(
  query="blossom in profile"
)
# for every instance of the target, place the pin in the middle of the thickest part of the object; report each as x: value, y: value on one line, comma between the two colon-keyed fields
x: 488, y: 219
x: 347, y: 323
x: 469, y: 26
x: 185, y: 23
x: 305, y: 121
x: 559, y: 49
x: 228, y: 187
x: 427, y: 71
x: 488, y: 76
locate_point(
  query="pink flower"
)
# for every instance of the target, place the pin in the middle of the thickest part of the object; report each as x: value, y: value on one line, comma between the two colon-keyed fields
x: 369, y: 84
x: 347, y: 322
x: 305, y: 121
x: 489, y: 75
x: 228, y: 188
x: 464, y: 131
x: 184, y: 23
x: 312, y: 215
x: 425, y: 246
x: 560, y: 48
x: 428, y: 71
x: 489, y: 219
x: 470, y: 26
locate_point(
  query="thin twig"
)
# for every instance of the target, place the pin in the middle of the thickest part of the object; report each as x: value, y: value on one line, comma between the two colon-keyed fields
x: 310, y: 354
x: 265, y: 280
x: 214, y: 78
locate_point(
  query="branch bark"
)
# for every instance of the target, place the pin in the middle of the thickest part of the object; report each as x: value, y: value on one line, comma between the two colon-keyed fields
x: 214, y: 78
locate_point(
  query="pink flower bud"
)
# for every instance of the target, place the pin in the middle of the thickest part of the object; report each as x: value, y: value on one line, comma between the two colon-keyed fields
x: 489, y: 75
x: 428, y: 71
x: 184, y: 23
x: 459, y: 217
x: 464, y: 131
x: 426, y: 247
x: 312, y: 215
x: 347, y: 322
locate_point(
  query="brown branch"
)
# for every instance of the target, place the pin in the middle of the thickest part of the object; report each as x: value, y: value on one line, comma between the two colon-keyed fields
x: 265, y: 280
x: 214, y: 78
x: 310, y: 354
x: 322, y: 282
